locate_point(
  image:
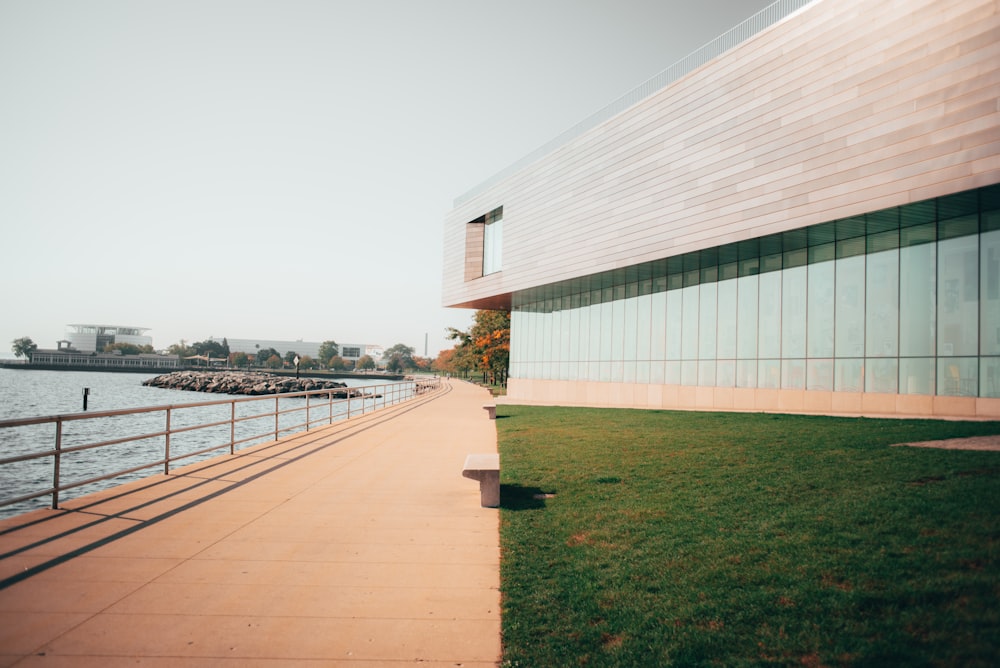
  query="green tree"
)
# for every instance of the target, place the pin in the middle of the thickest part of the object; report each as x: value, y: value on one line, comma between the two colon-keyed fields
x: 365, y: 362
x: 490, y: 337
x: 398, y: 358
x: 211, y: 349
x: 328, y: 350
x: 485, y: 347
x: 239, y: 360
x: 23, y: 347
x: 264, y: 356
x: 181, y: 349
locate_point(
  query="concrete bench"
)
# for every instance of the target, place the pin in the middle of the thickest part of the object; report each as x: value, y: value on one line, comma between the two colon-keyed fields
x: 492, y: 410
x: 485, y: 469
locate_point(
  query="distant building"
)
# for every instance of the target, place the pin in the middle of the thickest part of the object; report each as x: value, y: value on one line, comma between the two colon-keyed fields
x: 93, y: 338
x: 64, y: 357
x: 348, y: 351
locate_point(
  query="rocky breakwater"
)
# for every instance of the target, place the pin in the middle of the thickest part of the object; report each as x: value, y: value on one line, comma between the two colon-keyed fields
x: 239, y: 382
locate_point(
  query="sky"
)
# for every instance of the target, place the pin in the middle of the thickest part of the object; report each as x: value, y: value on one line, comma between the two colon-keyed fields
x: 282, y: 169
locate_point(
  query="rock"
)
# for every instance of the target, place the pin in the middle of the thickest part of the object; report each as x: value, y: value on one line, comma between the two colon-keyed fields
x: 242, y: 382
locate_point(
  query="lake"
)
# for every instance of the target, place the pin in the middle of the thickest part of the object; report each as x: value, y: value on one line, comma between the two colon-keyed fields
x: 32, y: 393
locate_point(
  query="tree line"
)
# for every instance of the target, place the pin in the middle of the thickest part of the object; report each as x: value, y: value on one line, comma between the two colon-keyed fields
x: 483, y: 349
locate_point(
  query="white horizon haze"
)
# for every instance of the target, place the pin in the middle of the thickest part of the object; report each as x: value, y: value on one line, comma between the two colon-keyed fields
x: 282, y: 170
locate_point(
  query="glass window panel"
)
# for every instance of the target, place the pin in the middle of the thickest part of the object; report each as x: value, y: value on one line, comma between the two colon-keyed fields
x: 793, y: 312
x: 555, y: 336
x: 823, y: 253
x: 882, y: 304
x: 604, y: 372
x: 989, y: 377
x: 689, y: 323
x: 746, y: 373
x: 958, y: 376
x: 630, y: 327
x: 793, y: 374
x: 689, y: 372
x: 706, y: 373
x: 769, y: 374
x: 881, y: 375
x: 658, y: 325
x: 849, y: 375
x: 916, y: 375
x: 769, y: 323
x: 746, y: 320
x: 958, y: 295
x: 819, y: 374
x: 595, y: 311
x: 673, y: 372
x: 675, y: 316
x: 819, y: 331
x: 958, y: 227
x: 771, y: 263
x: 644, y: 306
x: 849, y: 318
x: 727, y: 320
x: 657, y: 374
x: 850, y: 247
x: 796, y: 258
x: 607, y: 331
x: 725, y: 373
x: 707, y: 315
x: 918, y: 234
x: 493, y: 243
x: 917, y: 291
x: 883, y: 241
x: 989, y: 293
x: 642, y: 371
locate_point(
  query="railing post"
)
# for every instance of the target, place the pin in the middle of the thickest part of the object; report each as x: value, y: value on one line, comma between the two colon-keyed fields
x: 166, y: 447
x: 308, y: 396
x: 232, y: 427
x: 55, y: 466
x: 276, y: 417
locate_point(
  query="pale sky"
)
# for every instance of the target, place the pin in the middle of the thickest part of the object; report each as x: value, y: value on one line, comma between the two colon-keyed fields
x: 282, y: 169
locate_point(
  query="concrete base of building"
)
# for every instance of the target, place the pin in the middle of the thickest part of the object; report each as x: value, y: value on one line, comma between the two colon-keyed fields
x: 678, y: 397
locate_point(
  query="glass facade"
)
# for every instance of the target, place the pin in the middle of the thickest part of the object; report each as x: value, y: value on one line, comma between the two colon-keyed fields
x: 900, y: 301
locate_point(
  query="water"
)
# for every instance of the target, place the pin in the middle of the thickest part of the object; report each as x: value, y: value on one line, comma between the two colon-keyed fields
x: 33, y: 393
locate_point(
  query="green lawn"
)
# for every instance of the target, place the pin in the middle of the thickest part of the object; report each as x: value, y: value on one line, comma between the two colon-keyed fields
x: 655, y: 538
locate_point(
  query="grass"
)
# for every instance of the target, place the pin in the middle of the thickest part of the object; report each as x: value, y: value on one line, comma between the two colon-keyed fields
x: 653, y: 538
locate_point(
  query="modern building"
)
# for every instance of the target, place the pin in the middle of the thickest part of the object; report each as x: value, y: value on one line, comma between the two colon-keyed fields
x: 348, y: 351
x: 64, y: 358
x: 93, y: 338
x: 803, y: 216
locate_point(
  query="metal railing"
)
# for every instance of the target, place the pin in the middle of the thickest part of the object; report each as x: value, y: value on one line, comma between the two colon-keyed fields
x: 757, y: 23
x: 234, y: 421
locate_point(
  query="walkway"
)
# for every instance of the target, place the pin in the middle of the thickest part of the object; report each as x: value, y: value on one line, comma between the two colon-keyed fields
x: 355, y: 545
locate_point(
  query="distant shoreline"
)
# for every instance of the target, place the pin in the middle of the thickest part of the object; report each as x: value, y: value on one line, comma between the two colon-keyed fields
x: 26, y: 366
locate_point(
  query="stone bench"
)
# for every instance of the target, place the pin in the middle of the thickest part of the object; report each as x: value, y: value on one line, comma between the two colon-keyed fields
x: 492, y: 410
x: 485, y: 469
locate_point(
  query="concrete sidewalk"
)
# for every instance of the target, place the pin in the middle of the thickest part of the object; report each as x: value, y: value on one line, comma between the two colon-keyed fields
x: 359, y: 544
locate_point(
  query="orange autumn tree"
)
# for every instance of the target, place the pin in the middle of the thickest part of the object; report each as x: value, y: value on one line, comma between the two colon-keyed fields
x: 486, y: 346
